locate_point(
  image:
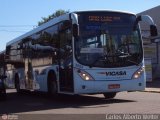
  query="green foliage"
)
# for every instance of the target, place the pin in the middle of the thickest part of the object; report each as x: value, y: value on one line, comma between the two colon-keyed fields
x: 54, y: 15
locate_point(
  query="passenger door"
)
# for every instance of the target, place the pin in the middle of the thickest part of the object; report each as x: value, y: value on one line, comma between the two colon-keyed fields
x: 65, y: 57
x: 28, y: 66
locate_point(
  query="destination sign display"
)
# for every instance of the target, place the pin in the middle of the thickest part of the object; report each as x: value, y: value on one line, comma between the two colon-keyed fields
x: 103, y: 18
x: 106, y: 17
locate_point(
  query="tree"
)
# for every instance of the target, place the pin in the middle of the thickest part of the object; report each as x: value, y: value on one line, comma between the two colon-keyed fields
x: 54, y: 15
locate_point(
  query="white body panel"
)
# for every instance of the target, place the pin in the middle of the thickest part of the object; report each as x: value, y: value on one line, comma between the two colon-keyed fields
x: 101, y: 82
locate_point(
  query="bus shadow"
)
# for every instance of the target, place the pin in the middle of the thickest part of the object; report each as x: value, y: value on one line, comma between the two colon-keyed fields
x: 27, y: 102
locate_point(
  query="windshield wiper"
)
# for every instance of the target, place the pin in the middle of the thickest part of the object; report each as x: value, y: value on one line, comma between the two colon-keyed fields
x: 133, y: 62
x: 125, y: 55
x: 122, y: 54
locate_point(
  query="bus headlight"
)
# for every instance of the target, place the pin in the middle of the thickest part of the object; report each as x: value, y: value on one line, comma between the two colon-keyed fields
x: 138, y: 73
x: 84, y: 75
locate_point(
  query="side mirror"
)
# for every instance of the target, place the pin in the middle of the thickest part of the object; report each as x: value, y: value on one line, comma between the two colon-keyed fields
x: 153, y: 30
x: 149, y: 20
x: 136, y: 22
x: 75, y: 30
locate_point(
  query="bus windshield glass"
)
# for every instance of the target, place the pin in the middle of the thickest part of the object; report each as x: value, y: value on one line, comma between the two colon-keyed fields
x: 108, y: 39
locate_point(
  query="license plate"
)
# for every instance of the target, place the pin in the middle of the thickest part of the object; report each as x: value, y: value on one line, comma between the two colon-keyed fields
x: 113, y: 86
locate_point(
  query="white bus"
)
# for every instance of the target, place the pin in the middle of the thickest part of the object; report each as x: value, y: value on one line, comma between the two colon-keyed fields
x: 84, y: 52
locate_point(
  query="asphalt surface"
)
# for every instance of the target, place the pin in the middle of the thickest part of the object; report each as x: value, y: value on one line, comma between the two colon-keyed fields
x: 38, y: 106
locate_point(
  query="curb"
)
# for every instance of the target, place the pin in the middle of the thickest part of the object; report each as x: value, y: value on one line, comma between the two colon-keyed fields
x: 151, y: 90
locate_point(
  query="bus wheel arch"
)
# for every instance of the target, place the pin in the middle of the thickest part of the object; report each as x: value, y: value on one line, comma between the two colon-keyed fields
x: 52, y: 83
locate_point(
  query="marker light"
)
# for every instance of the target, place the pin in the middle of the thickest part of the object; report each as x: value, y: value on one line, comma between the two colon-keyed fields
x: 84, y: 75
x: 138, y: 73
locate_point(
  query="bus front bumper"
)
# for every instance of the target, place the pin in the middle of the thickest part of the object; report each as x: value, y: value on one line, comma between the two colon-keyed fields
x: 89, y: 87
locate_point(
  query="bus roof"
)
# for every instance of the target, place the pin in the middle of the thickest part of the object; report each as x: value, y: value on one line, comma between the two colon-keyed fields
x: 117, y: 11
x: 55, y: 21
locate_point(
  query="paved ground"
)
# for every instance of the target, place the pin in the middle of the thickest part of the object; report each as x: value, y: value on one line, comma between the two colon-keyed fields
x: 35, y: 106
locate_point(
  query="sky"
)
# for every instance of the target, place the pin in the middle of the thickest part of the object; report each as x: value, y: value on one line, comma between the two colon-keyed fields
x: 20, y: 16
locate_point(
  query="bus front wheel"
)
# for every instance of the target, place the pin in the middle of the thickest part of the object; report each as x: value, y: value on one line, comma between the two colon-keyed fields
x: 109, y: 95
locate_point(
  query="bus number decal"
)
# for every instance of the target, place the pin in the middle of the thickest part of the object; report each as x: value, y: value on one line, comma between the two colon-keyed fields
x: 78, y: 66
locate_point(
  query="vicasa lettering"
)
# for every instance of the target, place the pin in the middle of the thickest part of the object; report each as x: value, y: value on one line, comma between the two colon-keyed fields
x: 116, y: 73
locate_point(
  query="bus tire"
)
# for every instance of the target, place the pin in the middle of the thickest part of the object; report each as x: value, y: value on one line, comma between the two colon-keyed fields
x: 109, y: 95
x: 17, y: 83
x: 52, y: 85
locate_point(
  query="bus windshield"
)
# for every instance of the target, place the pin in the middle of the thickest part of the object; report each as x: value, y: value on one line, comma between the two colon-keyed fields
x: 108, y: 39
